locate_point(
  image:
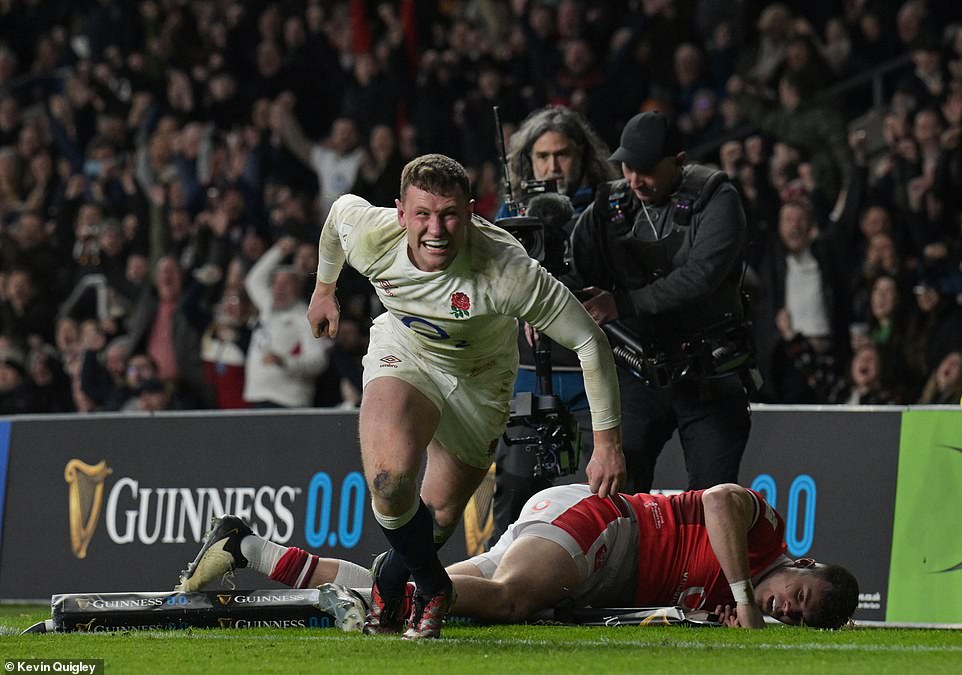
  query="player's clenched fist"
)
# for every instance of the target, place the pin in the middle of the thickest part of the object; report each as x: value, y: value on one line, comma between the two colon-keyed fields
x: 324, y: 313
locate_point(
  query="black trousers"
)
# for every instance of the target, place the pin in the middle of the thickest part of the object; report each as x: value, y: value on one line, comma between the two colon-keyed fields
x: 711, y: 416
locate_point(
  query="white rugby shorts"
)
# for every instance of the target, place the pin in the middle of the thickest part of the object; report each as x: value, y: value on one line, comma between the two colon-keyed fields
x: 474, y: 410
x: 605, y: 548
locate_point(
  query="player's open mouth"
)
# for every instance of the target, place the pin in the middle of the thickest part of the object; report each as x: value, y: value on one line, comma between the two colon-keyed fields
x: 435, y: 244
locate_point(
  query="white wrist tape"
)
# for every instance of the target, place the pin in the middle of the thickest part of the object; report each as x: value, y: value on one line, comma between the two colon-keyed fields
x: 743, y: 592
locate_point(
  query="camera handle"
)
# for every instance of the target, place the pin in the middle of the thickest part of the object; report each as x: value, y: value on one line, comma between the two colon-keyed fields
x: 541, y: 349
x: 548, y: 430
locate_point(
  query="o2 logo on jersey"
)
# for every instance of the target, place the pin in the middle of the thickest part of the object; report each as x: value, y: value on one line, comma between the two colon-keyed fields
x: 429, y: 330
x: 803, y: 485
x: 542, y: 505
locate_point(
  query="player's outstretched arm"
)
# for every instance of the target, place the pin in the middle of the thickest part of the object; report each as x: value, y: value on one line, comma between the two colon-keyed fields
x: 324, y: 314
x: 729, y: 514
x: 574, y: 328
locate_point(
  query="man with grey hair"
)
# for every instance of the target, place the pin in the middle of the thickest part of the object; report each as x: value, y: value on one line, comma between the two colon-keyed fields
x: 557, y: 144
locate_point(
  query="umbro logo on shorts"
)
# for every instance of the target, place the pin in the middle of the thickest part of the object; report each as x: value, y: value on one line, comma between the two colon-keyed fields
x: 389, y: 361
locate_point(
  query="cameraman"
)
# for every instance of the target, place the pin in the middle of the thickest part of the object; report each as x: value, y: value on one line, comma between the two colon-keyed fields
x: 556, y: 145
x: 662, y: 251
x: 554, y: 150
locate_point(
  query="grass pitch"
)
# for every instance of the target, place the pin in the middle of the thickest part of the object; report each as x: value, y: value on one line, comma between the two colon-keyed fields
x: 491, y: 649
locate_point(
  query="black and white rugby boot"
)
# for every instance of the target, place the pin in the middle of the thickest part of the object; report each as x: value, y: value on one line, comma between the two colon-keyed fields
x: 219, y: 556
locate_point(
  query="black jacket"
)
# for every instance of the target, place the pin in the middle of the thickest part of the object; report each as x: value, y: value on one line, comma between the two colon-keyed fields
x: 670, y: 280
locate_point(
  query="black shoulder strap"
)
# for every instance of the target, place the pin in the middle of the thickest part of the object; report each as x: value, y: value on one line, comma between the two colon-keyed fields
x: 610, y: 201
x: 698, y: 184
x: 601, y: 196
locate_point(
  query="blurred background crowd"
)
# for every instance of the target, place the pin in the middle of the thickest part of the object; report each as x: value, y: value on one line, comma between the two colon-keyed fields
x: 166, y: 165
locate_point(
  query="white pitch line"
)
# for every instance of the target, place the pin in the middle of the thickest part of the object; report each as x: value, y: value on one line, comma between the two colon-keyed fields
x: 646, y: 644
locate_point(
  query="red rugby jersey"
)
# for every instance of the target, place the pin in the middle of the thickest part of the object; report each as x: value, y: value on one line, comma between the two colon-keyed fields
x: 676, y: 563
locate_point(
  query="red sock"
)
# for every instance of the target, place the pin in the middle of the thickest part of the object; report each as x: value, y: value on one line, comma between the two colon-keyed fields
x: 295, y: 568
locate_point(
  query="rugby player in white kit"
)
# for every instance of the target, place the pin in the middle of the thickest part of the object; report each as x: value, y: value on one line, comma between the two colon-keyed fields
x: 439, y: 372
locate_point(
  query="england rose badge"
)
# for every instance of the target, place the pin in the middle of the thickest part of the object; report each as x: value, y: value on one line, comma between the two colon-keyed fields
x: 460, y: 305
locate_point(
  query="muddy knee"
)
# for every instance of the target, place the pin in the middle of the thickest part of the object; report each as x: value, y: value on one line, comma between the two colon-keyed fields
x: 392, y: 491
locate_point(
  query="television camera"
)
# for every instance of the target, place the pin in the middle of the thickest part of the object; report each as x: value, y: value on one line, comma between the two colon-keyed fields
x: 540, y: 422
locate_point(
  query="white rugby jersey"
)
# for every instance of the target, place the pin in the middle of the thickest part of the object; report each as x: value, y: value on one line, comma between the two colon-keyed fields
x: 463, y: 319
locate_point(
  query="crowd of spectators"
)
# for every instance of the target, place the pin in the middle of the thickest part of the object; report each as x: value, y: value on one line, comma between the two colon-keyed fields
x: 165, y: 167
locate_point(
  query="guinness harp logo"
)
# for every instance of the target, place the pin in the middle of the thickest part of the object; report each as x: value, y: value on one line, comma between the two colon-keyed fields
x: 86, y: 627
x: 224, y: 599
x: 479, y: 516
x: 86, y: 497
x: 659, y: 617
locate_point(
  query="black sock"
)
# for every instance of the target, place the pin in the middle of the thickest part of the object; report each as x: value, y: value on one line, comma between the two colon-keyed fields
x: 393, y: 575
x: 413, y: 545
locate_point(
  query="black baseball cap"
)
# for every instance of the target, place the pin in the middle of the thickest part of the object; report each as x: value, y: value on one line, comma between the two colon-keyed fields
x: 647, y: 139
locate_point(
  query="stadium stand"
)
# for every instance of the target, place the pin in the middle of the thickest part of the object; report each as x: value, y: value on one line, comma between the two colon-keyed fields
x: 136, y: 134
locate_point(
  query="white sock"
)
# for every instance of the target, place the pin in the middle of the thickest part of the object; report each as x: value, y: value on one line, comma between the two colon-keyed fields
x: 395, y: 522
x: 262, y: 555
x: 352, y: 576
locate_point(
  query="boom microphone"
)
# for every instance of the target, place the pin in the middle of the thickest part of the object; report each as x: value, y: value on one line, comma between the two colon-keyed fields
x: 554, y: 212
x: 551, y: 208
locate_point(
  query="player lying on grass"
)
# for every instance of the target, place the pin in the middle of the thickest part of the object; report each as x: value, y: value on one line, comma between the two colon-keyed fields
x: 720, y: 549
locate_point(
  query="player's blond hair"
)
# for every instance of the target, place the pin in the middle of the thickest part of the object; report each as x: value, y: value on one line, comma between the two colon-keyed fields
x: 437, y: 174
